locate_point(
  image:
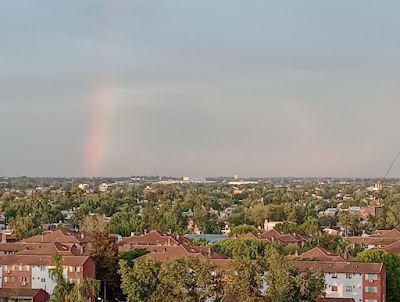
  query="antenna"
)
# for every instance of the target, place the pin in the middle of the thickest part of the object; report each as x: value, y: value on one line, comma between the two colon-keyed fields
x: 391, y: 166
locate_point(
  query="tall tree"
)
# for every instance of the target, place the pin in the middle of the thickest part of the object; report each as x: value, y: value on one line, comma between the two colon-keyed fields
x: 392, y: 264
x: 66, y: 291
x: 104, y: 251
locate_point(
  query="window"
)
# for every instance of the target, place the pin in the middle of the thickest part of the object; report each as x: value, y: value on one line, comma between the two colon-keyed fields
x: 334, y: 275
x: 42, y: 280
x: 12, y: 279
x: 334, y: 288
x: 349, y: 276
x: 371, y: 289
x: 27, y: 268
x: 24, y: 279
x: 20, y: 268
x: 6, y: 279
x: 349, y: 289
x: 78, y: 269
x: 13, y: 268
x: 371, y: 277
x: 42, y: 268
x: 71, y: 269
x: 371, y: 300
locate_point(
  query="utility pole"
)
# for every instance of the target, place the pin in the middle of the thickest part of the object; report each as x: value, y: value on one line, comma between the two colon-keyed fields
x: 105, y: 292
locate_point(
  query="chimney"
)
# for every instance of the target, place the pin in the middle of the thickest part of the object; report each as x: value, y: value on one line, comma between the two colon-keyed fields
x: 169, y: 241
x: 132, y: 234
x: 82, y: 235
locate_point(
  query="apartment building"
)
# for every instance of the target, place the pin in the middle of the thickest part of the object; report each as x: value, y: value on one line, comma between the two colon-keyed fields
x: 364, y: 282
x: 34, y: 271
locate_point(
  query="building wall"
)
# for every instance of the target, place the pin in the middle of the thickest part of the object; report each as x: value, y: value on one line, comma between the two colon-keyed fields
x: 89, y: 269
x: 17, y: 276
x: 42, y: 296
x: 379, y: 284
x: 341, y: 282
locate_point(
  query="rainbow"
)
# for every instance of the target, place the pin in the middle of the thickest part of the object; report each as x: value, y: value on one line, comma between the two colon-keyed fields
x: 100, y: 106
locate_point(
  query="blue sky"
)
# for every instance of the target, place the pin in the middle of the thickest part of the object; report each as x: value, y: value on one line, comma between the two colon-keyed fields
x: 255, y: 88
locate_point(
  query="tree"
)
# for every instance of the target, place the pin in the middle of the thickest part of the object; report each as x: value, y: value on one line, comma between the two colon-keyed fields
x: 23, y: 227
x: 247, y: 248
x: 286, y: 227
x: 258, y: 214
x: 246, y: 279
x: 185, y: 279
x: 243, y: 229
x: 350, y: 222
x: 131, y: 255
x: 66, y: 291
x: 140, y: 282
x: 104, y: 251
x: 286, y: 284
x: 392, y: 264
x: 188, y: 279
x: 93, y: 224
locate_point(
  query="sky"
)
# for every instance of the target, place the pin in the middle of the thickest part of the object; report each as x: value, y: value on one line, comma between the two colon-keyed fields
x: 199, y: 88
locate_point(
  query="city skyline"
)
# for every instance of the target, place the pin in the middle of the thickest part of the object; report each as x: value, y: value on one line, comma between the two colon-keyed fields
x: 262, y: 88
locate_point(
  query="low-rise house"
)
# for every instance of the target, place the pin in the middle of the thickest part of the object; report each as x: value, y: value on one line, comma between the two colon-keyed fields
x: 274, y: 235
x: 359, y: 281
x: 381, y: 239
x: 60, y: 236
x: 322, y: 254
x: 23, y: 294
x: 153, y: 238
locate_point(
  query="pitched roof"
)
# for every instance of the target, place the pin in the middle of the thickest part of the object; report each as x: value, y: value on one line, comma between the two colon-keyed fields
x: 53, y: 248
x: 59, y: 235
x: 393, y: 233
x: 372, y: 240
x: 19, y: 246
x: 180, y: 251
x: 322, y: 254
x: 43, y: 260
x: 393, y: 248
x: 20, y: 292
x: 340, y: 267
x: 155, y: 238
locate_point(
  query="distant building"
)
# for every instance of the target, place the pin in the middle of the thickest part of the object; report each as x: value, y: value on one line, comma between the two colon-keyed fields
x: 104, y: 187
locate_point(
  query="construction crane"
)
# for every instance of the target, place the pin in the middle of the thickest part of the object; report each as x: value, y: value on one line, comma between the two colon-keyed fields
x: 391, y: 166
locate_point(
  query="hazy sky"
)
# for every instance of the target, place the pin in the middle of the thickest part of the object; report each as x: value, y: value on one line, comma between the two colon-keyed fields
x: 254, y: 88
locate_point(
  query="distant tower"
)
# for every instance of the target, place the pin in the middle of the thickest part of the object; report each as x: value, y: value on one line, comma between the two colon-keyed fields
x: 236, y: 177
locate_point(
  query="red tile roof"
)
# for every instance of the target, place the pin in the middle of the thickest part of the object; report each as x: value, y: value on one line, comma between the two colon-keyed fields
x: 322, y: 254
x: 155, y: 238
x: 43, y: 260
x: 53, y: 248
x: 59, y: 235
x: 20, y: 292
x: 180, y: 251
x: 340, y: 267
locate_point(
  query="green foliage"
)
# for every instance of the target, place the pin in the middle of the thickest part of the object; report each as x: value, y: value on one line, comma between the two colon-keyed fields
x: 247, y: 248
x: 184, y: 279
x: 131, y: 255
x: 243, y: 229
x: 286, y: 284
x: 200, y: 242
x: 66, y: 291
x: 23, y: 227
x: 246, y: 279
x: 104, y: 251
x: 286, y: 227
x: 392, y: 264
